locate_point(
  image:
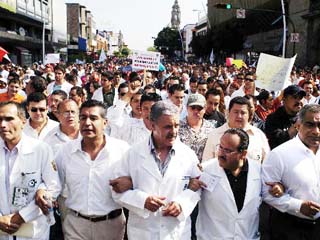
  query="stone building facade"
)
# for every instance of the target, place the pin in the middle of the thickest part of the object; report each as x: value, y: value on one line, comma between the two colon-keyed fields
x: 263, y: 27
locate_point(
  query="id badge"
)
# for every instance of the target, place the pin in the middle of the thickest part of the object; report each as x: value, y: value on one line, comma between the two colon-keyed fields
x: 186, y: 180
x: 20, y: 197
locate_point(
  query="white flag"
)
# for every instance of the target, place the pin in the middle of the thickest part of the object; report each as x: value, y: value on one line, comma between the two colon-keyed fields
x: 212, y: 57
x: 102, y: 56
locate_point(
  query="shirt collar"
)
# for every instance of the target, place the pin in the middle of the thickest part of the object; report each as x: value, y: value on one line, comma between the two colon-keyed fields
x: 17, y: 148
x: 78, y: 147
x: 244, y: 168
x: 153, y: 148
x: 303, y: 146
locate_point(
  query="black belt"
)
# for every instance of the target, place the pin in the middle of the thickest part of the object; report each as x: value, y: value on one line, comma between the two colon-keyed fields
x: 111, y: 215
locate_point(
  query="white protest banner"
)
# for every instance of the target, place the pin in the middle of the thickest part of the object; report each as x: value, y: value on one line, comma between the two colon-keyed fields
x: 103, y: 56
x: 273, y: 73
x: 52, y: 58
x: 146, y: 60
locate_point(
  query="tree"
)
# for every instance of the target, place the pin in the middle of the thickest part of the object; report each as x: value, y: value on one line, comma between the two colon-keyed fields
x: 152, y: 49
x: 168, y: 41
x: 125, y: 52
x: 117, y: 54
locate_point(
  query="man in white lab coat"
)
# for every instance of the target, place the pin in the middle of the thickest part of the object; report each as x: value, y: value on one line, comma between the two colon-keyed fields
x: 230, y: 201
x: 26, y: 164
x: 160, y: 167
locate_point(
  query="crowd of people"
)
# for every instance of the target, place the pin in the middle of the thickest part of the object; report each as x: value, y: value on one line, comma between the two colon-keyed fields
x: 194, y: 151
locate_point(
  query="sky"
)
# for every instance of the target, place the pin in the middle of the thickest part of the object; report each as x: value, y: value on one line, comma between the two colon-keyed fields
x: 140, y: 20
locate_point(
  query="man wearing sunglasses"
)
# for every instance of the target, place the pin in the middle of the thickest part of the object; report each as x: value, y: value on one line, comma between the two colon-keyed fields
x: 248, y: 87
x: 39, y: 124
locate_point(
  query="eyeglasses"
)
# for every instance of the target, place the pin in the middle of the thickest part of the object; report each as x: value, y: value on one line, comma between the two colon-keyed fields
x: 34, y: 109
x: 69, y: 113
x: 199, y: 108
x: 225, y: 150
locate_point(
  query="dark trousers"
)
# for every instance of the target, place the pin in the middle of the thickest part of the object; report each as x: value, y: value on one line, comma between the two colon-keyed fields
x: 56, y: 229
x: 194, y: 216
x: 288, y: 227
x: 264, y: 221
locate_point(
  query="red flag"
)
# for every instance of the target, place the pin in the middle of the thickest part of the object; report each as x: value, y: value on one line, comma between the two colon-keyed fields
x: 3, y: 54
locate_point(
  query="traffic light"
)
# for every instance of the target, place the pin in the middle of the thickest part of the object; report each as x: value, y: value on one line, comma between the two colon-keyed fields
x: 223, y: 5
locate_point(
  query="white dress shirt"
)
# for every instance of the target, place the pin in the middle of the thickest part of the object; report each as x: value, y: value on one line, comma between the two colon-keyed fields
x: 133, y: 131
x: 31, y: 132
x: 56, y: 138
x: 298, y: 169
x: 311, y: 100
x: 65, y: 86
x: 88, y: 181
x: 258, y: 143
x: 117, y: 115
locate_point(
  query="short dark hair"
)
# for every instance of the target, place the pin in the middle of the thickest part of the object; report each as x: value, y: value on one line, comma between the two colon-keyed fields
x: 122, y: 85
x: 202, y: 82
x: 107, y: 74
x: 176, y: 87
x: 60, y: 93
x: 149, y: 86
x: 193, y: 80
x: 60, y: 67
x: 38, y: 84
x: 210, y: 80
x: 263, y: 95
x: 241, y: 101
x: 36, y: 97
x: 79, y: 90
x: 134, y: 76
x: 214, y: 92
x: 94, y: 103
x: 152, y: 97
x: 306, y: 82
x: 14, y: 80
x: 244, y: 138
x: 20, y: 110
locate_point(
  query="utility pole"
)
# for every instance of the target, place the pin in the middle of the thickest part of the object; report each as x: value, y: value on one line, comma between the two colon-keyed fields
x: 284, y: 29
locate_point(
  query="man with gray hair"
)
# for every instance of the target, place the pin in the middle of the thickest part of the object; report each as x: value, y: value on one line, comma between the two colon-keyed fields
x: 161, y: 166
x: 295, y: 163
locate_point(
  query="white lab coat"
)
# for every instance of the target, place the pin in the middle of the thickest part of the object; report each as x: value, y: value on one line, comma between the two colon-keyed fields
x: 33, y: 168
x: 218, y: 216
x: 98, y: 95
x: 147, y: 180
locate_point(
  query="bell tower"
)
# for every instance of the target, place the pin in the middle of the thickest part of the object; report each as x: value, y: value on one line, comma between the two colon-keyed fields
x: 175, y: 16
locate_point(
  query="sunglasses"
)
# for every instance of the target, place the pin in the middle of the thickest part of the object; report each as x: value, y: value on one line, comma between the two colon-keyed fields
x: 249, y: 79
x: 122, y: 94
x: 34, y: 109
x: 199, y: 108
